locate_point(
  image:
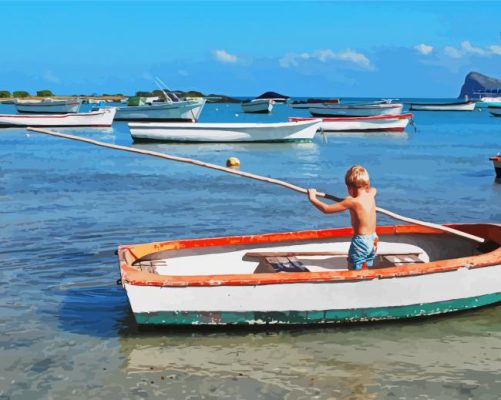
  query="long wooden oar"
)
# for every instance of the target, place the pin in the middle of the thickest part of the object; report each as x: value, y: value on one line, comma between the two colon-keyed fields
x: 251, y: 176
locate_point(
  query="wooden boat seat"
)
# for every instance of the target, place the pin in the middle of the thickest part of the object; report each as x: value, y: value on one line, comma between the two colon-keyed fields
x: 280, y: 264
x: 402, y: 259
x: 288, y: 261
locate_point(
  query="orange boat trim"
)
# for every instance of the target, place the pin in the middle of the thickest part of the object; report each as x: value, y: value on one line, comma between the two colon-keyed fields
x: 133, y: 276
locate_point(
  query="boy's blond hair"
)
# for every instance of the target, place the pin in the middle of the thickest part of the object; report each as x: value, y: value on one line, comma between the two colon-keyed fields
x: 357, y: 177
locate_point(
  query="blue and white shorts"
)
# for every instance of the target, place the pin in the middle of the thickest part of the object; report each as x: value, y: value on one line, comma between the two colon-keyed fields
x: 362, y: 251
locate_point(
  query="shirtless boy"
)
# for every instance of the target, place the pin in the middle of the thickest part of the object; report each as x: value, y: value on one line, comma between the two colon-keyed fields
x: 362, y: 206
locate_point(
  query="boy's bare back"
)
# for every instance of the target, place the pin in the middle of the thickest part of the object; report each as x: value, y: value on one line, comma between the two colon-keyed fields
x: 362, y: 208
x: 361, y: 201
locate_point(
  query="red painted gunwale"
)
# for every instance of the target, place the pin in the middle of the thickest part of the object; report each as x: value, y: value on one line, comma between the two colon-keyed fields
x: 495, y: 158
x: 376, y: 117
x: 133, y: 276
x: 51, y: 116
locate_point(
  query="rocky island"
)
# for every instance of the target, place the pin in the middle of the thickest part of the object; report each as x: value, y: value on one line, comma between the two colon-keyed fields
x: 476, y: 82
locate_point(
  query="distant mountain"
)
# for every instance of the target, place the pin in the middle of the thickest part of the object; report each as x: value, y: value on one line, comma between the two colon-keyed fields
x: 476, y: 82
x: 272, y: 95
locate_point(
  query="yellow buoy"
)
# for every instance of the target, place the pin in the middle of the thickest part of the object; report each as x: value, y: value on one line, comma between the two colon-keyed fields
x: 233, y: 162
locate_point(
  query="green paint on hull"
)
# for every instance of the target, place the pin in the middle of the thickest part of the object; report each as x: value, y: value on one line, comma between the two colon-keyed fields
x: 314, y: 317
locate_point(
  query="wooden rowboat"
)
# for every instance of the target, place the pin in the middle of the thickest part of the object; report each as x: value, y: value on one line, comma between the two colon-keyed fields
x: 496, y: 160
x: 379, y: 123
x: 222, y: 132
x: 100, y: 117
x: 456, y: 106
x: 236, y: 280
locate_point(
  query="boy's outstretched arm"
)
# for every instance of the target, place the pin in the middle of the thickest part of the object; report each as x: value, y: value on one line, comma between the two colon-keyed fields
x: 327, y: 208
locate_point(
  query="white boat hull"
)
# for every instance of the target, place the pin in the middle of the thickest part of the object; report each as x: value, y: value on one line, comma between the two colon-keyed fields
x: 392, y: 123
x: 258, y: 106
x: 224, y: 132
x: 344, y: 110
x: 360, y: 301
x: 101, y: 117
x: 49, y: 107
x: 178, y: 111
x: 470, y: 106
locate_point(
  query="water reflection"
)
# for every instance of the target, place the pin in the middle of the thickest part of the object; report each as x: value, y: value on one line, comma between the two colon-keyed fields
x: 359, y: 362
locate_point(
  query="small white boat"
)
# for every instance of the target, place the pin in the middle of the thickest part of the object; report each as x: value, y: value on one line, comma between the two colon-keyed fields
x: 302, y: 277
x: 100, y: 117
x: 258, y: 106
x: 485, y: 102
x: 455, y: 106
x: 179, y: 111
x: 49, y: 106
x: 379, y: 123
x: 357, y: 110
x: 495, y: 110
x: 496, y: 160
x: 224, y: 132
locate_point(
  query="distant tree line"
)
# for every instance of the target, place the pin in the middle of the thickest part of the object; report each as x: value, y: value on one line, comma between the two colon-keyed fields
x: 21, y: 93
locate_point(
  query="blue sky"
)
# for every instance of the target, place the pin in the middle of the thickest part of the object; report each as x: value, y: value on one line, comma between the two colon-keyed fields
x: 372, y: 48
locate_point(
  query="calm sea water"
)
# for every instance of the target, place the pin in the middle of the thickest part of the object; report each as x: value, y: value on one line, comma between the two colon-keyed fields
x: 65, y: 327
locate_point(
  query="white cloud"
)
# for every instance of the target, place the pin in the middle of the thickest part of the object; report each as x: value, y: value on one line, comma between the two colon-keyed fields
x: 424, y: 49
x: 467, y: 49
x: 225, y: 57
x: 50, y: 77
x: 452, y: 52
x: 359, y: 59
x: 495, y: 49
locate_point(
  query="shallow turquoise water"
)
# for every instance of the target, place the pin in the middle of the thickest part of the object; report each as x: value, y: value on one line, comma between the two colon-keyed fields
x: 65, y: 327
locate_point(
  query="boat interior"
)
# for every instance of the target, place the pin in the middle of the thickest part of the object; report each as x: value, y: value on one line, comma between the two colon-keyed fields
x: 317, y: 255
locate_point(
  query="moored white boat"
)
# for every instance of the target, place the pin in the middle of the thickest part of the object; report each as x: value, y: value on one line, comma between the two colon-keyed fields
x: 455, y: 106
x: 495, y: 110
x: 188, y: 111
x: 235, y: 280
x: 257, y: 106
x: 496, y: 160
x: 357, y: 110
x: 100, y: 117
x: 380, y: 123
x: 48, y: 106
x: 224, y: 132
x: 485, y: 102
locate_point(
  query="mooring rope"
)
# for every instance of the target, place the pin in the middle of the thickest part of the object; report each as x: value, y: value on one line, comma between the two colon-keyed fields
x: 251, y: 176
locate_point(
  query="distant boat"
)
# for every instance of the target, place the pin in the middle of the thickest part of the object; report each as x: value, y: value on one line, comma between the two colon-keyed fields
x: 357, y: 110
x: 178, y: 111
x: 454, y: 106
x: 100, y: 117
x: 224, y: 132
x: 496, y: 160
x: 48, y: 106
x: 302, y: 277
x: 379, y: 123
x: 258, y: 106
x: 495, y: 110
x: 488, y: 101
x: 312, y: 103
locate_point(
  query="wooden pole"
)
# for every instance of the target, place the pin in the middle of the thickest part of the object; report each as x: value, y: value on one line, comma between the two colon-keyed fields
x: 251, y: 176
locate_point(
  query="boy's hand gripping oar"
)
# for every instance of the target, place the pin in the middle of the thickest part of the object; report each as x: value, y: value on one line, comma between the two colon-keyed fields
x: 251, y: 176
